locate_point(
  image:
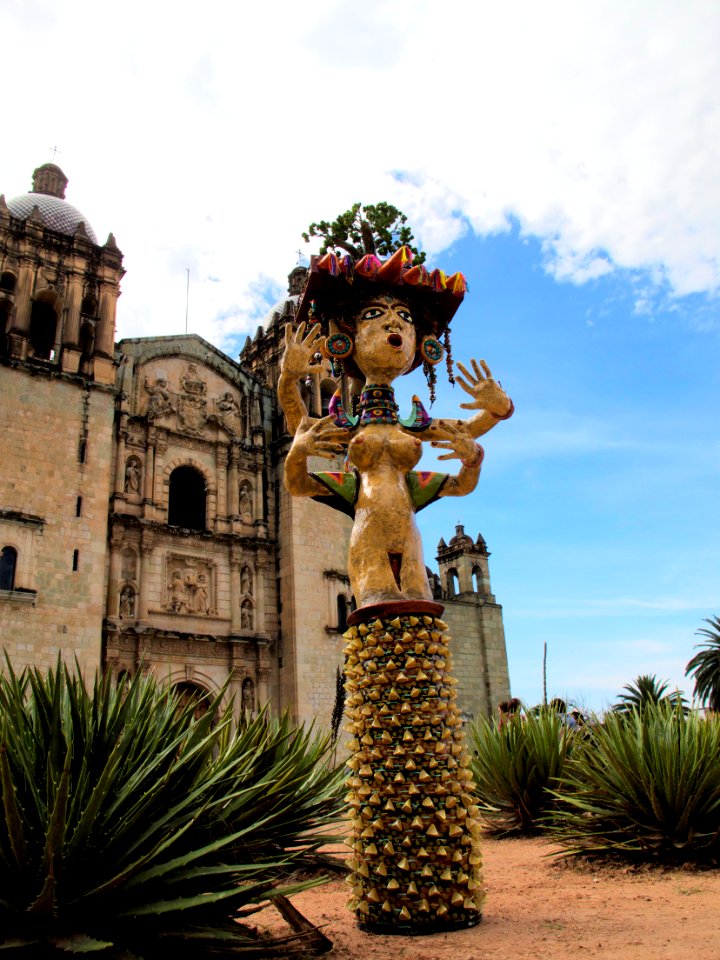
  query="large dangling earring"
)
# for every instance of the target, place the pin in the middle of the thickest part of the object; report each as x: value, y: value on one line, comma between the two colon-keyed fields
x: 338, y: 346
x: 431, y: 350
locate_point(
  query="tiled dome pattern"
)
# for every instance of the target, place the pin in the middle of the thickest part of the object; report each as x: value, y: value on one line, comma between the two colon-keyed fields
x: 56, y: 213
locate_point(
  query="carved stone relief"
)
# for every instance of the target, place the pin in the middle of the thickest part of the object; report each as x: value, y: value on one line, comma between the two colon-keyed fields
x: 160, y: 403
x: 246, y: 581
x: 190, y: 586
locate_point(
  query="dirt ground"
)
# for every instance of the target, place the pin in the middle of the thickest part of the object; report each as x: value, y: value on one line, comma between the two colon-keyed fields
x: 539, y: 909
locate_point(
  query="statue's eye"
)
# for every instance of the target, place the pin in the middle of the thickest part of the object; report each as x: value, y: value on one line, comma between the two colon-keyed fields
x: 405, y: 315
x: 371, y: 313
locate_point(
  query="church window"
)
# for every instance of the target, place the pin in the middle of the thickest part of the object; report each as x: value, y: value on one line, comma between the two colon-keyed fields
x: 187, y: 502
x: 8, y: 563
x: 76, y: 561
x: 452, y: 583
x: 43, y: 321
x: 477, y: 579
x: 78, y: 507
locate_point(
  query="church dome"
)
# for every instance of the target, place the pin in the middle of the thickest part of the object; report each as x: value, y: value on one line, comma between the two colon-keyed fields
x: 48, y: 195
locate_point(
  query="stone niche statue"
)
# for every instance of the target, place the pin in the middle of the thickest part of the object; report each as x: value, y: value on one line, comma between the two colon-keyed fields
x: 246, y: 504
x: 246, y: 581
x: 248, y: 696
x: 133, y: 475
x: 247, y: 617
x: 127, y: 602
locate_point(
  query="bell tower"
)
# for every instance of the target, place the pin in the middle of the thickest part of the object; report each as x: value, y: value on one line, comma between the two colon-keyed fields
x: 58, y: 291
x: 476, y: 623
x: 464, y: 567
x: 58, y: 286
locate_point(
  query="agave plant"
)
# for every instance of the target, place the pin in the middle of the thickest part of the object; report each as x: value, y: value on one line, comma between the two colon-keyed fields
x: 705, y: 665
x: 647, y: 690
x: 133, y: 827
x: 646, y: 786
x: 516, y: 766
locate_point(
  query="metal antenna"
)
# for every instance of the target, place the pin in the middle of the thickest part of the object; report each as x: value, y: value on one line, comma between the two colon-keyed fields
x: 187, y: 297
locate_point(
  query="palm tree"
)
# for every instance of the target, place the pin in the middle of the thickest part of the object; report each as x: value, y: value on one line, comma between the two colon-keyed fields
x: 705, y: 665
x: 647, y: 689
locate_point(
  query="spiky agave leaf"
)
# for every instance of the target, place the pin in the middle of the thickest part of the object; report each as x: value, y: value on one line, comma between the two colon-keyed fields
x: 647, y: 786
x: 120, y: 806
x: 515, y: 768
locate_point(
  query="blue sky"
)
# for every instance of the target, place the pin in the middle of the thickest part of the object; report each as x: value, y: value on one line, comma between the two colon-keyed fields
x: 563, y: 155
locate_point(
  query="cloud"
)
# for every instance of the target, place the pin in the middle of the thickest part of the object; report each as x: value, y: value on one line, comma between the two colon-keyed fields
x: 212, y: 136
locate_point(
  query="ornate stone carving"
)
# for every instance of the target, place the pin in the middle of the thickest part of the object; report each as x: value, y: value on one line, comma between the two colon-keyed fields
x: 190, y: 586
x: 228, y: 413
x: 192, y: 404
x: 160, y: 403
x: 246, y: 581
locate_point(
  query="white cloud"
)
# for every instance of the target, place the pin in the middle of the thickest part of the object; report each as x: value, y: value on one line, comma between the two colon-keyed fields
x: 209, y: 137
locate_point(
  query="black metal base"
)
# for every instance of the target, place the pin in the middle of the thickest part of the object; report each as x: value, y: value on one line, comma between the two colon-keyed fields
x: 418, y: 929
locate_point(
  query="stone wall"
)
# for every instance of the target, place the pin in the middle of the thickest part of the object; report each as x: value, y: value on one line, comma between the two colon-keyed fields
x: 56, y: 460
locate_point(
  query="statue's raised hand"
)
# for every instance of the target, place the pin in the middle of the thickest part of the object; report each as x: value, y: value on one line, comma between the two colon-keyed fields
x: 486, y: 392
x: 300, y: 349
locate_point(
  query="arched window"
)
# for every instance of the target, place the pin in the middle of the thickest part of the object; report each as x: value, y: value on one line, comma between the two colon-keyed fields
x: 43, y: 322
x: 8, y: 563
x: 477, y: 580
x: 188, y: 499
x: 452, y: 583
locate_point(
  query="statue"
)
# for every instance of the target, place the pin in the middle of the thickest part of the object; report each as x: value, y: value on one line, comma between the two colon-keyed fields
x: 132, y: 476
x: 246, y: 615
x: 374, y: 321
x: 246, y: 499
x: 127, y: 602
x: 246, y: 581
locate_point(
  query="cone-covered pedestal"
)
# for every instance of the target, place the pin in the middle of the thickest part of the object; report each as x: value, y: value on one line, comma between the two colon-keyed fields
x: 416, y: 863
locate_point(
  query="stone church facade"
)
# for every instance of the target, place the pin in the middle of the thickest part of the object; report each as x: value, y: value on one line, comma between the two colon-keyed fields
x: 144, y: 523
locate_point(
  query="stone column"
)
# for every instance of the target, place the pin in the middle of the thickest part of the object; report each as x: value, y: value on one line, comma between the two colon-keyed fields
x: 235, y: 597
x: 263, y: 685
x: 120, y: 463
x: 221, y: 461
x: 105, y: 336
x: 113, y: 598
x: 233, y: 489
x: 259, y: 596
x: 146, y: 550
x: 149, y: 485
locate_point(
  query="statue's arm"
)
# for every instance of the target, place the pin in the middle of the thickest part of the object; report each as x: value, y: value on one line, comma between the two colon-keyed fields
x: 299, y: 350
x: 313, y: 438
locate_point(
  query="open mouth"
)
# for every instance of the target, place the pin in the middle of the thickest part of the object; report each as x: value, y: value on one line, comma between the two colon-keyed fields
x: 395, y: 340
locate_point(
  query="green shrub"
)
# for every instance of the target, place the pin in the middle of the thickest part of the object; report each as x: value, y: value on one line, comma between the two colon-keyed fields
x: 516, y: 767
x: 647, y: 785
x: 130, y: 824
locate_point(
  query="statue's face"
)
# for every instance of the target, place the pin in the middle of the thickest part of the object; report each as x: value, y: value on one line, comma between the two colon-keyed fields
x: 385, y: 339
